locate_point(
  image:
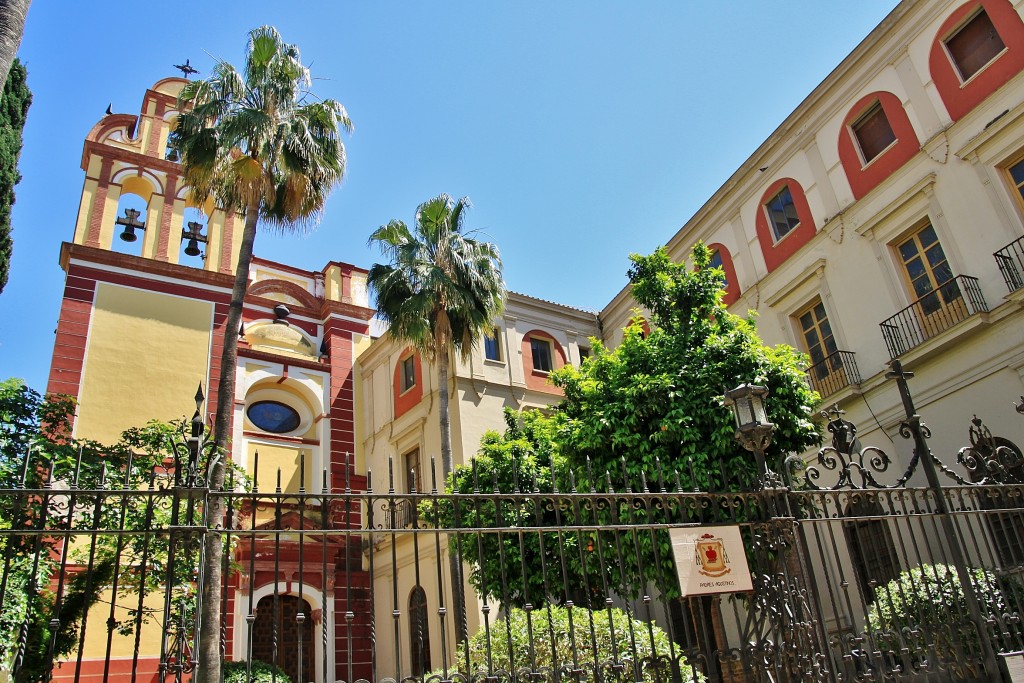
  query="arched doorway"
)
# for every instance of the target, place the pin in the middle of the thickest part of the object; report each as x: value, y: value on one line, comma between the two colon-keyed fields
x: 289, y: 651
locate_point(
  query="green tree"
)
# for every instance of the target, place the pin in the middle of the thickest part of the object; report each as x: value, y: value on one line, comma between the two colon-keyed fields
x: 260, y: 144
x: 645, y: 415
x: 50, y: 481
x: 440, y: 292
x: 13, y: 109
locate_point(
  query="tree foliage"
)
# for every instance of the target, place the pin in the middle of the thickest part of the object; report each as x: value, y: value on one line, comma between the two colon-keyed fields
x: 13, y: 109
x: 645, y: 416
x: 69, y: 486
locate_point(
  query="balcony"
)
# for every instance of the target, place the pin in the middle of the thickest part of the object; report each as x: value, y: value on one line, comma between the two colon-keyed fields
x: 401, y: 514
x: 1011, y: 264
x: 836, y: 371
x: 934, y: 313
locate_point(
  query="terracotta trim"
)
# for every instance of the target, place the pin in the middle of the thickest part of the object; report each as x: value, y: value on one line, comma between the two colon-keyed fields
x: 865, y: 177
x: 163, y: 241
x: 536, y: 380
x: 776, y: 253
x: 732, y: 285
x: 961, y: 97
x: 186, y: 274
x: 404, y: 401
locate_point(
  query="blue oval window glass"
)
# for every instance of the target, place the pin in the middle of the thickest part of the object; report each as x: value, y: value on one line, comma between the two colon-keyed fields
x: 273, y: 417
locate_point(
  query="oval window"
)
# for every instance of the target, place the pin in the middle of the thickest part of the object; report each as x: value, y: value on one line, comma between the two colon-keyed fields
x: 273, y: 417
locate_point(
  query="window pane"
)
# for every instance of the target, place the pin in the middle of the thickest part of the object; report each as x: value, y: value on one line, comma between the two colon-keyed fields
x: 908, y: 250
x: 974, y: 45
x: 492, y: 348
x: 782, y: 213
x: 541, y: 351
x: 915, y: 268
x: 273, y: 417
x: 873, y: 132
x: 1017, y: 173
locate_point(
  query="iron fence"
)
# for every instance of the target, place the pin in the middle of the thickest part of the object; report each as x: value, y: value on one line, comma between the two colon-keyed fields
x: 861, y: 570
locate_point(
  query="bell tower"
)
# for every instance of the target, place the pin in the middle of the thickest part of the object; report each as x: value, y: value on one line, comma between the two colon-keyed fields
x: 134, y: 200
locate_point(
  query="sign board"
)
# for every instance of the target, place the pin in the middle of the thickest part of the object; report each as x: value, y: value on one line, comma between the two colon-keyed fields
x: 710, y: 559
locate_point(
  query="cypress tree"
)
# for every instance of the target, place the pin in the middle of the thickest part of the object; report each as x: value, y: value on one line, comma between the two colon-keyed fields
x: 13, y: 108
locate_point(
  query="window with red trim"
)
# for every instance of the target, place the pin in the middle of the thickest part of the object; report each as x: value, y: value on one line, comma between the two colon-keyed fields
x: 974, y: 45
x: 784, y: 222
x: 977, y: 49
x: 873, y: 132
x: 720, y: 258
x: 782, y: 215
x: 876, y: 141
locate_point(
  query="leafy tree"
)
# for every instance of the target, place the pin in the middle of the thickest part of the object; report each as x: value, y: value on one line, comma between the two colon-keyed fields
x: 440, y: 292
x: 13, y: 109
x: 646, y: 415
x: 260, y: 144
x: 65, y: 485
x: 560, y: 639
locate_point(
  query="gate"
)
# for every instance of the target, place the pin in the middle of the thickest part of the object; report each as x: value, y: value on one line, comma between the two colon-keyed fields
x: 861, y: 571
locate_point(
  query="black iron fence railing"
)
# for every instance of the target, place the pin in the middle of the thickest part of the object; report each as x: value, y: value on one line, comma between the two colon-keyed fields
x: 863, y: 567
x: 1011, y: 264
x: 935, y: 312
x: 836, y: 371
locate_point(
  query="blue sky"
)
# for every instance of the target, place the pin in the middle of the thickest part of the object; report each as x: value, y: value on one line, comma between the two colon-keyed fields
x: 581, y: 131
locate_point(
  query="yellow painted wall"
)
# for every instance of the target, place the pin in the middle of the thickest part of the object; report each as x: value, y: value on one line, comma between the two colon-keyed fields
x: 124, y: 646
x: 146, y: 355
x: 285, y: 458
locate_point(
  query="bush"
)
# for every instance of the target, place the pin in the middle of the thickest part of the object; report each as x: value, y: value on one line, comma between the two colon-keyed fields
x: 925, y: 607
x: 234, y: 672
x: 618, y: 638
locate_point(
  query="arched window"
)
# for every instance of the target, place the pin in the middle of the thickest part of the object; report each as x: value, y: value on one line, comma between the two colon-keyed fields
x: 407, y: 382
x: 720, y: 258
x: 978, y: 49
x: 783, y: 221
x: 419, y: 632
x: 876, y: 140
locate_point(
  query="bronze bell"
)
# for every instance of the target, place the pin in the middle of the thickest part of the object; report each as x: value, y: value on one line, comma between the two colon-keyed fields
x: 192, y: 248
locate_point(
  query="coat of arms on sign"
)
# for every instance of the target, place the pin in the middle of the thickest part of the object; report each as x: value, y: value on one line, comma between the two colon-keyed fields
x: 712, y: 559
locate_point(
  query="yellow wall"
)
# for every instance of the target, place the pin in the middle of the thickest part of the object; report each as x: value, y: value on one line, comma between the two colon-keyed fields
x: 146, y: 355
x: 124, y: 646
x: 286, y: 458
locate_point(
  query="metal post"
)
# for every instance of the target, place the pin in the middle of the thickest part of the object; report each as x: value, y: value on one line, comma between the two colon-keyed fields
x: 918, y: 431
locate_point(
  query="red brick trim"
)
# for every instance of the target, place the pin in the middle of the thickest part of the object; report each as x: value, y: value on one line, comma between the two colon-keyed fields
x: 961, y: 98
x: 291, y: 289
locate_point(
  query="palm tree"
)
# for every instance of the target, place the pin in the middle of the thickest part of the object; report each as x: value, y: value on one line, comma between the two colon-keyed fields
x: 260, y: 145
x: 440, y: 292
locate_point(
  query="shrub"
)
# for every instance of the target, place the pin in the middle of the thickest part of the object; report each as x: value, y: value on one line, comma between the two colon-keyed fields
x: 235, y: 672
x: 926, y: 607
x: 540, y: 640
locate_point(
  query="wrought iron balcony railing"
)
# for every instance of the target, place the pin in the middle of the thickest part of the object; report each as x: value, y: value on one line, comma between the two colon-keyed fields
x: 1011, y: 264
x: 935, y: 312
x: 834, y: 372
